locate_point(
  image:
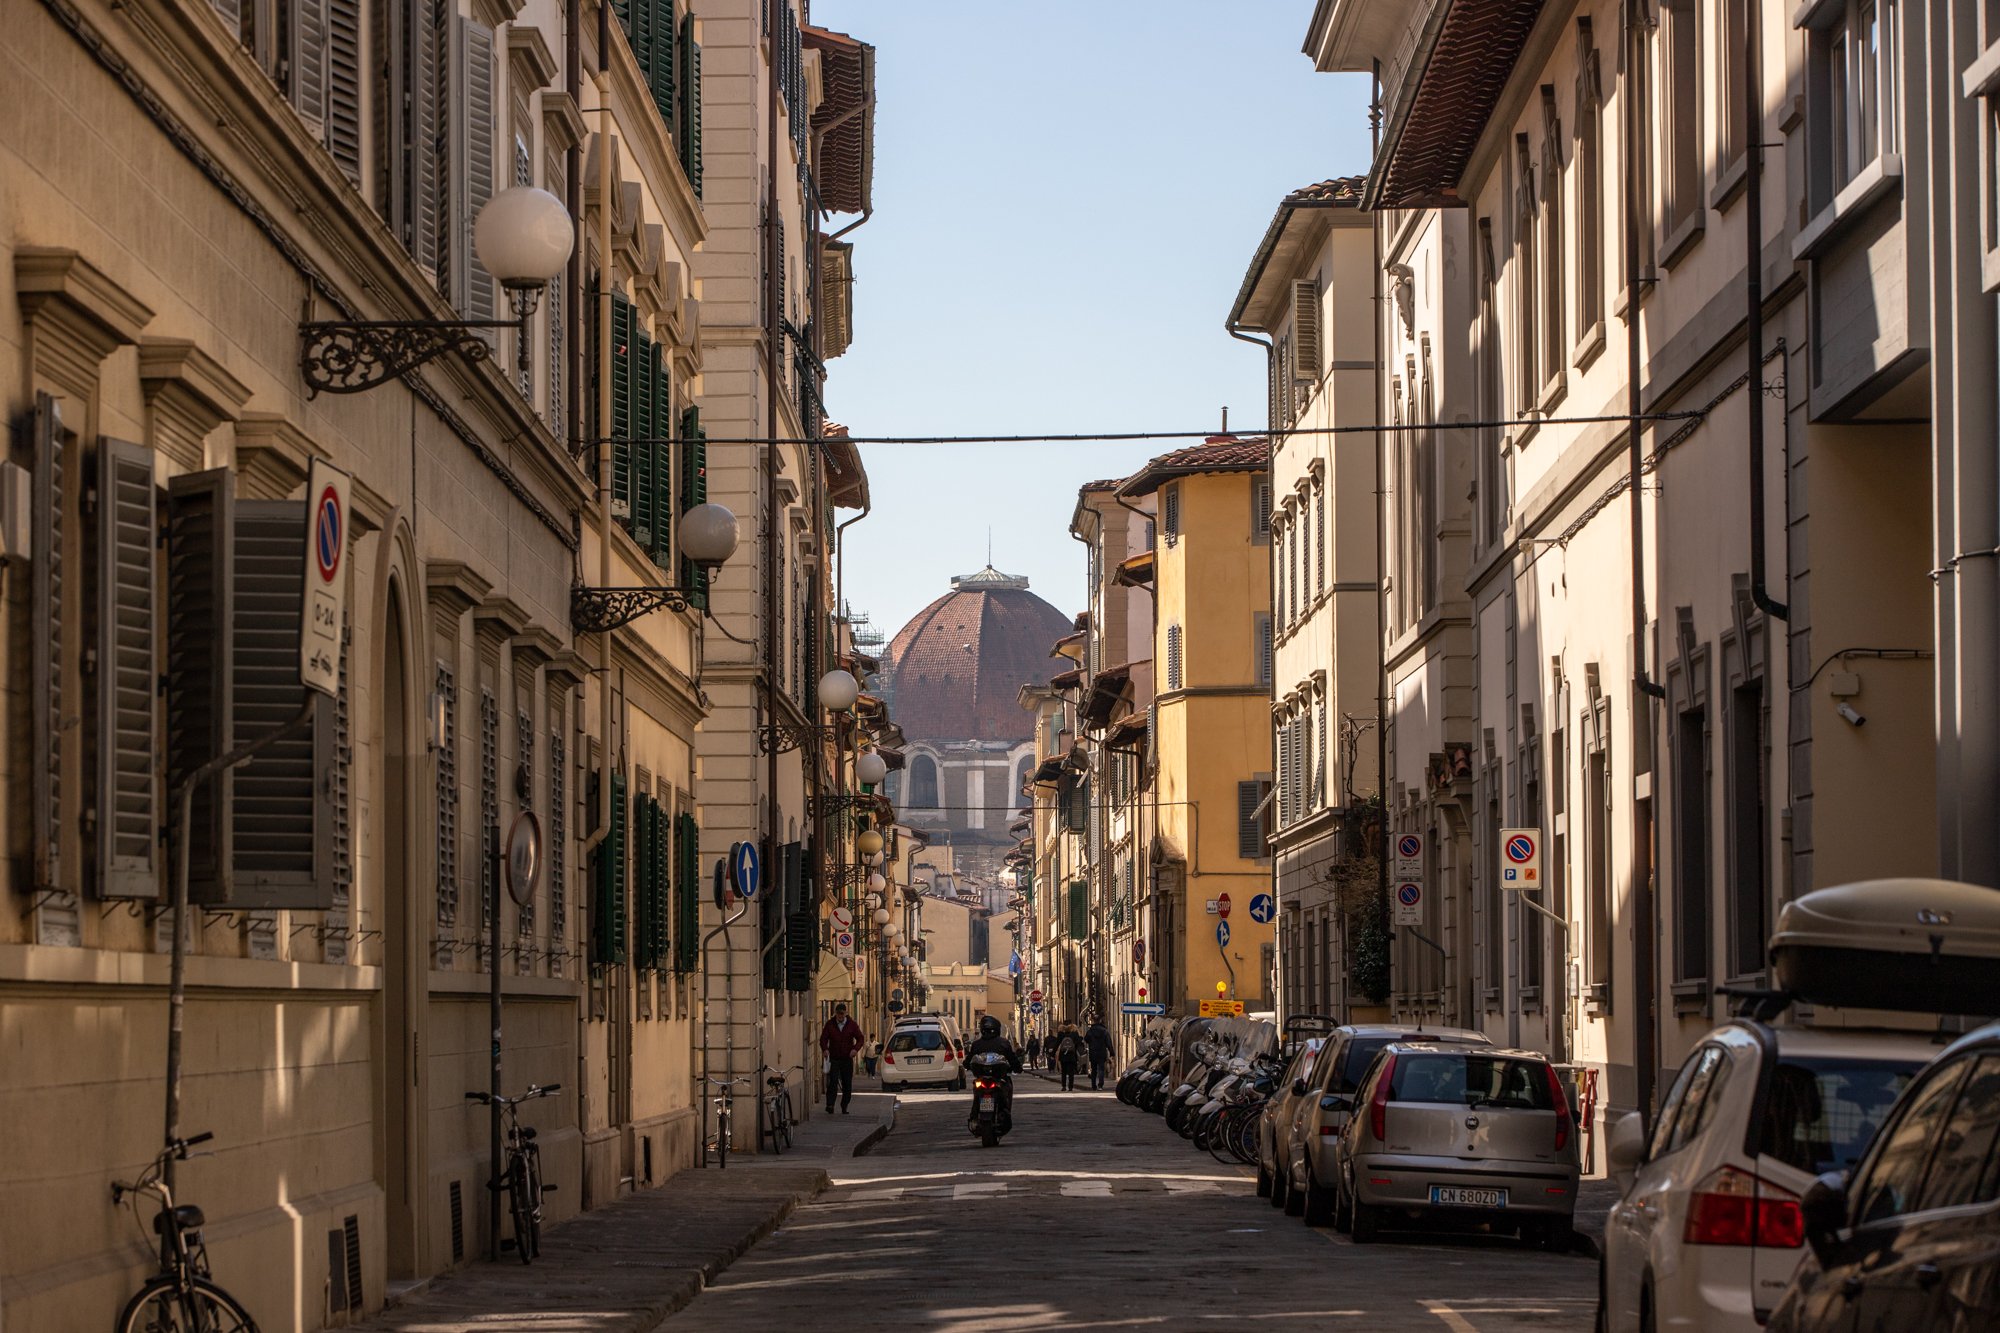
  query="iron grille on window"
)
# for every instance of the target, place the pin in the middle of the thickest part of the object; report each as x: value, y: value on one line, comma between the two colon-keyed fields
x: 524, y: 731
x: 558, y: 837
x: 447, y: 797
x: 343, y: 823
x: 489, y: 808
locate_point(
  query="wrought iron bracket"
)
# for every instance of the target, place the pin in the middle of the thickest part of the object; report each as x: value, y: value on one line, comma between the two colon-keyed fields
x: 599, y: 610
x: 345, y: 356
x: 784, y: 735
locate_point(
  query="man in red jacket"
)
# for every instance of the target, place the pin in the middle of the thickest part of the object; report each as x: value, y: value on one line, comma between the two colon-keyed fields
x: 839, y: 1040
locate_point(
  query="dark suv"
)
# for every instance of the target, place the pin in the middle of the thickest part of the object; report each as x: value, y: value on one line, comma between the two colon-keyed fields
x: 1912, y: 1239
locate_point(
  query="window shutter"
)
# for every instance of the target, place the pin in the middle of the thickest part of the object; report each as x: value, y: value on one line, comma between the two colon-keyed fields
x: 446, y: 830
x: 281, y: 818
x: 687, y: 893
x: 663, y: 461
x: 128, y: 804
x: 802, y: 926
x: 608, y: 920
x: 489, y: 813
x: 232, y: 16
x: 641, y: 376
x: 1249, y: 845
x: 646, y: 866
x: 660, y: 59
x: 688, y: 125
x: 1174, y: 665
x: 201, y: 674
x: 619, y: 359
x: 341, y: 776
x: 1263, y: 632
x: 425, y: 90
x: 1305, y: 329
x: 343, y: 85
x: 45, y: 608
x: 1319, y: 540
x: 694, y: 491
x: 558, y: 830
x: 1170, y: 510
x: 1319, y: 783
x: 305, y: 60
x: 472, y: 166
x: 771, y: 923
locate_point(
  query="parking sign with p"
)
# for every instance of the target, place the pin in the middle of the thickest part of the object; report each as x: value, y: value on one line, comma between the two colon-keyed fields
x: 1520, y: 858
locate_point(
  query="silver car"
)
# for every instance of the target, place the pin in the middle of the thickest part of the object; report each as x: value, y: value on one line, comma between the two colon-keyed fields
x: 1458, y: 1134
x: 1274, y: 1123
x: 1309, y: 1180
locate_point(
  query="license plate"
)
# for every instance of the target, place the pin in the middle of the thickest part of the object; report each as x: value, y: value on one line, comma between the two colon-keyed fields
x: 985, y: 1103
x: 920, y: 1059
x: 1459, y: 1197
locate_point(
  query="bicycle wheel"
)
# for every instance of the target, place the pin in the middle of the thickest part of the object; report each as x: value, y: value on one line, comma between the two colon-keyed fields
x: 781, y: 1123
x: 160, y: 1307
x: 520, y: 1206
x: 722, y: 1142
x: 533, y: 1155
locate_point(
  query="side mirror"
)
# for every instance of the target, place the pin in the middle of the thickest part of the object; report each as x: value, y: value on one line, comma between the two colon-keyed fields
x: 1298, y: 1087
x: 1824, y: 1207
x: 1625, y: 1147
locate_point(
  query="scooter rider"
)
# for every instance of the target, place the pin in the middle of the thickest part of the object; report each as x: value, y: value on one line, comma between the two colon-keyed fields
x: 992, y: 1039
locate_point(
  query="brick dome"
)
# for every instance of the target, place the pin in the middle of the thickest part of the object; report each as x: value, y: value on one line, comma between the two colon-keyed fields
x: 958, y: 667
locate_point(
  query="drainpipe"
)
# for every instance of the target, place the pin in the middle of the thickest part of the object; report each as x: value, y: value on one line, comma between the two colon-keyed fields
x: 605, y: 204
x: 1645, y: 934
x: 1753, y: 222
x: 774, y: 341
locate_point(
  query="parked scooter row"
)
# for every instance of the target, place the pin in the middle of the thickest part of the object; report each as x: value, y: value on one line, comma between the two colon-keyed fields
x: 1208, y: 1079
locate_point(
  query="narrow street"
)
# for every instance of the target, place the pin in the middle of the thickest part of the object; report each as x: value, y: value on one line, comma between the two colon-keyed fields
x: 1091, y: 1215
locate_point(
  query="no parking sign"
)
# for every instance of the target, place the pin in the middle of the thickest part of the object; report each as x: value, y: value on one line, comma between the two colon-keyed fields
x: 1520, y: 858
x: 1409, y: 896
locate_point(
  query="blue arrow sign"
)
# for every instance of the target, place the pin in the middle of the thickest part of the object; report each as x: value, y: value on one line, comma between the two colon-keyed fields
x: 1148, y: 1010
x: 1035, y: 1008
x: 1014, y: 966
x: 1263, y: 907
x: 744, y: 869
x: 1222, y: 933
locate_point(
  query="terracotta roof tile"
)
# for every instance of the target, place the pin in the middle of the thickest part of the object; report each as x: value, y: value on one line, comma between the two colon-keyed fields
x: 1219, y: 453
x: 1339, y: 190
x: 1448, y: 97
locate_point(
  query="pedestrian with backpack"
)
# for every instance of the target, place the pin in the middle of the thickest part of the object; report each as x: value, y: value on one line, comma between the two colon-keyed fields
x: 1069, y: 1054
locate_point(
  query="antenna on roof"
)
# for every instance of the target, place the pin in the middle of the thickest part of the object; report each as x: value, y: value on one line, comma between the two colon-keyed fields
x: 1225, y: 418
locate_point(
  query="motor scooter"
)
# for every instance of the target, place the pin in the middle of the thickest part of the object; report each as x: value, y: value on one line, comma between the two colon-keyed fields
x: 992, y: 1096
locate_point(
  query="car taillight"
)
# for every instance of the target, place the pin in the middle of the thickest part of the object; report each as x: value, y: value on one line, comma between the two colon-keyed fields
x: 1561, y: 1100
x: 1732, y: 1207
x: 888, y: 1059
x: 1378, y: 1105
x: 1329, y: 1131
x: 949, y: 1057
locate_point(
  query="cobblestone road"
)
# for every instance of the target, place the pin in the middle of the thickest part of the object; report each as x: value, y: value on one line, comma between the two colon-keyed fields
x: 1091, y: 1215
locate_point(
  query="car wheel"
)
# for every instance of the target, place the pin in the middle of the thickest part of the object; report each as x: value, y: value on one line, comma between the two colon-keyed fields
x: 1646, y: 1320
x: 1601, y: 1324
x: 1319, y: 1204
x: 1556, y: 1235
x: 1343, y: 1210
x: 1263, y: 1181
x: 1295, y: 1200
x: 1280, y: 1186
x: 1367, y: 1223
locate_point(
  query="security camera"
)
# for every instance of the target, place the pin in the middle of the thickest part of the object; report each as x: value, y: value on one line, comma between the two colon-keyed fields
x: 1849, y: 716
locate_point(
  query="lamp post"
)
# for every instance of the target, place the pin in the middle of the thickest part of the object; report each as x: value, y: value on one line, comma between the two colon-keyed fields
x: 707, y: 537
x: 523, y: 237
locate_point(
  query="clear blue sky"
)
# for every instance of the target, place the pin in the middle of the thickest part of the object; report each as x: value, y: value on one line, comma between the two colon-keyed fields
x: 1067, y: 195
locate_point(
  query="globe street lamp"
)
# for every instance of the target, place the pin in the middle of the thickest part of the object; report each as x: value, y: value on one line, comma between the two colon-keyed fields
x: 707, y: 539
x: 523, y: 237
x: 870, y: 769
x: 838, y: 690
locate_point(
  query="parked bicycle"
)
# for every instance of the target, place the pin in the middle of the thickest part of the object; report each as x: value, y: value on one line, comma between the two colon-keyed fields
x: 778, y: 1117
x: 521, y: 1175
x: 719, y: 1143
x: 182, y: 1297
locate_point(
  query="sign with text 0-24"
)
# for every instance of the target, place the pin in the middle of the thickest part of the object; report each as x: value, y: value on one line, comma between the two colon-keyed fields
x: 326, y: 578
x: 1520, y: 858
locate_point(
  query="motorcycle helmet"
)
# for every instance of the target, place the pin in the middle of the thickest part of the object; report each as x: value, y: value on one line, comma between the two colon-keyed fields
x: 989, y: 1026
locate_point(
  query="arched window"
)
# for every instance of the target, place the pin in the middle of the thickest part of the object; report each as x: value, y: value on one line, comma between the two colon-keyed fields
x: 923, y: 782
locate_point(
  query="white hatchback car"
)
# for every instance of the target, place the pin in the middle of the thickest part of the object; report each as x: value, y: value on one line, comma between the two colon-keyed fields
x: 922, y: 1053
x: 1709, y: 1231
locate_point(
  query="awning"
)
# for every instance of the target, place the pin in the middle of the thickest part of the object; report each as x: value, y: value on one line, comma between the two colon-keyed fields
x: 1134, y: 571
x: 844, y: 121
x: 1106, y: 689
x: 1065, y: 680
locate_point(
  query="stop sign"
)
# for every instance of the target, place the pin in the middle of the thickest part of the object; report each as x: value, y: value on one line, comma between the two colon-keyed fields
x: 1222, y: 906
x: 1034, y: 997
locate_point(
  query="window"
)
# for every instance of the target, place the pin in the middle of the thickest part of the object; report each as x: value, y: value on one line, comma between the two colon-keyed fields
x: 1891, y: 1180
x: 1492, y: 438
x: 1820, y: 1114
x: 1170, y: 513
x: 1319, y: 538
x: 1319, y: 780
x: 1686, y: 1109
x: 1550, y: 218
x: 1253, y: 818
x: 1965, y: 1169
x: 1589, y: 176
x: 1472, y: 1080
x: 1528, y: 387
x: 1260, y: 511
x: 1293, y: 532
x: 1732, y: 44
x: 1691, y: 844
x: 1176, y: 668
x: 1598, y: 876
x: 923, y: 782
x: 1425, y: 545
x: 1262, y: 635
x: 1749, y: 826
x: 1851, y: 89
x: 1681, y: 118
x: 1494, y: 900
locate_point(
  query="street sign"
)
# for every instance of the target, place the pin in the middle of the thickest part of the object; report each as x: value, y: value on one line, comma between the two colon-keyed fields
x: 1213, y: 907
x: 843, y: 919
x: 1222, y: 934
x: 896, y: 993
x: 843, y: 944
x: 1222, y: 1008
x: 1145, y: 1010
x: 524, y: 857
x: 1262, y: 908
x: 895, y: 1006
x: 1409, y: 857
x: 1035, y: 996
x: 1014, y: 965
x: 1409, y: 896
x: 1222, y: 906
x: 326, y: 579
x: 1520, y: 858
x: 744, y: 869
x: 1034, y: 1006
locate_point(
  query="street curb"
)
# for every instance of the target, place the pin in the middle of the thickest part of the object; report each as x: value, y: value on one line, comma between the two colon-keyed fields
x: 880, y: 1132
x: 704, y: 1277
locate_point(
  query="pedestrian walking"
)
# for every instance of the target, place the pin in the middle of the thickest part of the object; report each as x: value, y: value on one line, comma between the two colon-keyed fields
x: 1034, y: 1049
x: 1069, y: 1053
x: 870, y: 1055
x: 1098, y: 1042
x: 839, y: 1041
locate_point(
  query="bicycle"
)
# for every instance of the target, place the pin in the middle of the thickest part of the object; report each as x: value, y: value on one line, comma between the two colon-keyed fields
x: 778, y: 1108
x: 182, y: 1297
x: 522, y: 1175
x: 719, y: 1145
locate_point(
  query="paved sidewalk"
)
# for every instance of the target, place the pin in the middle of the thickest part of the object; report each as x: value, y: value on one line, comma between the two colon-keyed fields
x: 625, y: 1267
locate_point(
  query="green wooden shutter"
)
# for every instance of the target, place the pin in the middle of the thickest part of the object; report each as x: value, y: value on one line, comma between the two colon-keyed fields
x: 694, y: 491
x: 660, y: 60
x: 771, y: 920
x: 608, y: 869
x: 662, y: 547
x: 687, y: 893
x: 640, y: 377
x: 688, y: 126
x: 1079, y: 909
x: 617, y: 358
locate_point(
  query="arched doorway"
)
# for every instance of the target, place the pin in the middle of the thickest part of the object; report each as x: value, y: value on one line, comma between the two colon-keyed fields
x: 402, y: 1106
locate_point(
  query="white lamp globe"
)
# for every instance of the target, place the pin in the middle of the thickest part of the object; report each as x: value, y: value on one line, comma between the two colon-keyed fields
x: 881, y: 916
x: 838, y: 690
x: 708, y: 534
x: 871, y: 768
x: 876, y: 882
x: 868, y: 842
x: 524, y: 237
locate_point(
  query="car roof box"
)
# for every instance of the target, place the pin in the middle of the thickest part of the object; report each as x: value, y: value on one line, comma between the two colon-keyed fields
x: 1921, y: 945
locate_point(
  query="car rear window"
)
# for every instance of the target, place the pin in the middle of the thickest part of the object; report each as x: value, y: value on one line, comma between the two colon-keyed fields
x: 1819, y: 1114
x: 1359, y: 1055
x: 1471, y: 1080
x: 919, y: 1039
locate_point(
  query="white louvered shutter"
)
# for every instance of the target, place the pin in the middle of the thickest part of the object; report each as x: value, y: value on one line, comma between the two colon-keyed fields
x: 305, y: 56
x: 128, y: 802
x: 472, y: 133
x: 201, y: 671
x: 1305, y: 329
x: 343, y: 85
